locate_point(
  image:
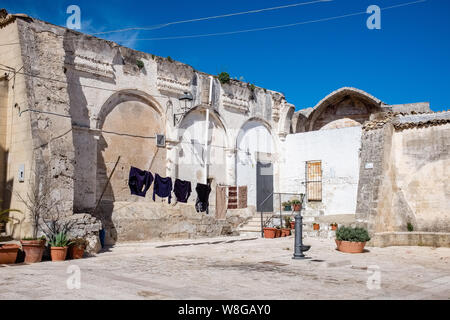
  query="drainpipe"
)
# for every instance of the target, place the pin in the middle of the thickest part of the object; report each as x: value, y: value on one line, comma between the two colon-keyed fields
x: 207, y: 128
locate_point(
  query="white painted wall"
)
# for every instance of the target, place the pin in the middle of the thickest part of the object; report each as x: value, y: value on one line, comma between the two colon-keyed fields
x: 191, y: 156
x: 338, y: 149
x: 253, y: 137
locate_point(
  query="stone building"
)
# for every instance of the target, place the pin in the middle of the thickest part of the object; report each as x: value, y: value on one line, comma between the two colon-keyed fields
x: 80, y: 111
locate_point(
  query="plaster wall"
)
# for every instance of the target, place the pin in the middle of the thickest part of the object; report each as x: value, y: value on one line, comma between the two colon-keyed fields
x: 338, y: 149
x: 16, y: 143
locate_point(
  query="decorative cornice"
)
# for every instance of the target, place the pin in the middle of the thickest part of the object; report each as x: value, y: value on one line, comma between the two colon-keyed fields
x: 236, y: 104
x: 172, y: 86
x: 91, y: 65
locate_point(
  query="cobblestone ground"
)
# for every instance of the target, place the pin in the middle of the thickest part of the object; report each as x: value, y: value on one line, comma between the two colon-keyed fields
x: 236, y: 268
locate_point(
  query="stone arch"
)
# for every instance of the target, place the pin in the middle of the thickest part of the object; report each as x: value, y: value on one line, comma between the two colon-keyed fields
x: 127, y: 125
x: 255, y: 139
x: 345, y: 107
x: 191, y: 149
x: 287, y: 113
x: 126, y: 95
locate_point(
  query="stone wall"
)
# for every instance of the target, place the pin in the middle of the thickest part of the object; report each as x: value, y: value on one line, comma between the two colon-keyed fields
x: 138, y: 221
x: 85, y: 101
x: 404, y: 176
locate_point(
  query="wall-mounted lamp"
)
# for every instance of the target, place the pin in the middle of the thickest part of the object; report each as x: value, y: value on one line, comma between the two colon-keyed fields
x: 187, y: 98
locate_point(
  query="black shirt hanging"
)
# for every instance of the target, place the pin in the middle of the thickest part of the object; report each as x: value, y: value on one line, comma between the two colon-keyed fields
x: 203, y: 191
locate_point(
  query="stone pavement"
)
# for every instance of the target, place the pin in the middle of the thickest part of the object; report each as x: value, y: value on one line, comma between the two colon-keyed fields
x: 236, y: 268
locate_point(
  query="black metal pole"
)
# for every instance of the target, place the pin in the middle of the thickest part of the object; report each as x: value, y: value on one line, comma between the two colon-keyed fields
x: 298, y: 252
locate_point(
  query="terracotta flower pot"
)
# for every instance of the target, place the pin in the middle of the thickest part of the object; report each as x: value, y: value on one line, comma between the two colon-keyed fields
x: 297, y: 207
x: 292, y: 224
x: 334, y: 228
x: 285, y: 232
x: 34, y: 249
x: 316, y: 226
x: 350, y: 247
x: 8, y: 253
x: 76, y: 252
x: 278, y: 233
x: 270, y: 233
x: 58, y: 253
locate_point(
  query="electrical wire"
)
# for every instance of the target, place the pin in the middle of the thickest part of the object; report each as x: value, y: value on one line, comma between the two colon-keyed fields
x: 211, y: 17
x: 239, y: 31
x: 274, y: 27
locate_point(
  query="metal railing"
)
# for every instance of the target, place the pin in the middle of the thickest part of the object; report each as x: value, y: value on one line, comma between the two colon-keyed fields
x: 264, y: 223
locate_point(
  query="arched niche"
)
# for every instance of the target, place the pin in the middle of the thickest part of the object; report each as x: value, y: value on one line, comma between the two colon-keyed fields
x: 191, y: 147
x: 128, y: 123
x: 254, y: 141
x: 346, y: 107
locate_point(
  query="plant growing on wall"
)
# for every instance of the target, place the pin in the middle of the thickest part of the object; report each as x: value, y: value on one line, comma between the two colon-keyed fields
x: 169, y: 59
x: 140, y: 64
x: 224, y: 77
x: 410, y: 227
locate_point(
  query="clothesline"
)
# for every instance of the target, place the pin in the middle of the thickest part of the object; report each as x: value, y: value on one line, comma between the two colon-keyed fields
x: 140, y: 181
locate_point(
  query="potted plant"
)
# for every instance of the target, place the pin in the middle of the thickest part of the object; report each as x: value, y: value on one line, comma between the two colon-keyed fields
x: 296, y: 204
x: 287, y: 206
x: 77, y: 247
x: 58, y: 247
x: 285, y: 232
x: 334, y: 226
x: 278, y: 232
x: 33, y: 247
x: 316, y: 226
x: 351, y: 240
x: 8, y: 253
x: 269, y: 232
x: 40, y: 203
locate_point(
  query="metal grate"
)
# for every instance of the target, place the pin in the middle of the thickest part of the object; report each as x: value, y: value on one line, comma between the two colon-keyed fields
x: 314, y: 180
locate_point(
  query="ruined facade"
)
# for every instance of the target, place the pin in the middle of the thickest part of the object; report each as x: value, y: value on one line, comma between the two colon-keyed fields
x: 75, y: 109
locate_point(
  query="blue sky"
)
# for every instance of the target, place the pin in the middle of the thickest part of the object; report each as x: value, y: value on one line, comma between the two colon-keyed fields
x: 408, y: 60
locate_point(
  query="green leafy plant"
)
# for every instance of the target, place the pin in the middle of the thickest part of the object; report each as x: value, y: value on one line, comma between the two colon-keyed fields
x: 334, y: 224
x: 410, y: 227
x: 352, y: 234
x: 169, y: 59
x: 286, y: 203
x: 79, y: 242
x: 295, y: 201
x: 278, y: 227
x: 59, y: 240
x: 251, y: 86
x: 140, y: 64
x: 224, y: 77
x: 287, y: 221
x: 4, y: 217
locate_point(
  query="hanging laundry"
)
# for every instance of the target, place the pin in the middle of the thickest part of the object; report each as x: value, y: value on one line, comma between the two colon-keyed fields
x: 221, y: 202
x: 203, y: 191
x: 162, y: 187
x: 182, y: 190
x: 242, y: 197
x: 139, y: 179
x: 232, y: 197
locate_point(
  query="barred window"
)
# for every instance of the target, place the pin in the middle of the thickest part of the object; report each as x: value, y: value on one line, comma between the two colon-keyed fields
x: 314, y: 180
